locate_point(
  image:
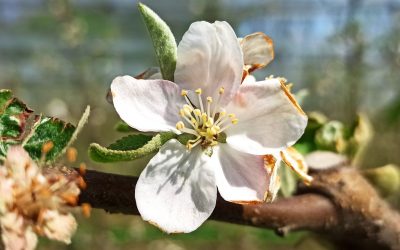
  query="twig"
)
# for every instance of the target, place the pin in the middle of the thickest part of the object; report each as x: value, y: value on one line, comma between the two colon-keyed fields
x: 340, y: 203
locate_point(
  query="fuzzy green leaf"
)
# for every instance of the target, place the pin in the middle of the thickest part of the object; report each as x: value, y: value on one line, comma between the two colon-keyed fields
x: 130, y: 142
x: 129, y: 148
x: 163, y: 41
x: 124, y: 128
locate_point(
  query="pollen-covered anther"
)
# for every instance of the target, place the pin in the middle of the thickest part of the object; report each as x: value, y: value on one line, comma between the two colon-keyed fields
x: 180, y: 125
x: 184, y: 92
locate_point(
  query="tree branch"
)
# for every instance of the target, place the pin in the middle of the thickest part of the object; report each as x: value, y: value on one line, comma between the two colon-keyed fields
x: 339, y: 203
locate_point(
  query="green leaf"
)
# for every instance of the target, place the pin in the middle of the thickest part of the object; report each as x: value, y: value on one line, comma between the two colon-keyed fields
x: 163, y: 41
x: 130, y: 142
x: 13, y: 118
x: 60, y: 133
x: 48, y: 129
x: 124, y: 128
x: 129, y: 148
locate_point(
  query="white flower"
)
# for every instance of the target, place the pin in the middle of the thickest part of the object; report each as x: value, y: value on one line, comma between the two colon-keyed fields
x: 233, y: 127
x: 32, y: 203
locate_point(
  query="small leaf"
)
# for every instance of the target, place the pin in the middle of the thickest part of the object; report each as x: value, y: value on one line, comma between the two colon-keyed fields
x: 129, y: 148
x: 130, y: 142
x: 163, y: 41
x: 13, y: 118
x: 48, y: 129
x: 60, y: 133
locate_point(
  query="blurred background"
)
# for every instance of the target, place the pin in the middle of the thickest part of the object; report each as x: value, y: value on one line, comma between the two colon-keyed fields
x: 61, y: 55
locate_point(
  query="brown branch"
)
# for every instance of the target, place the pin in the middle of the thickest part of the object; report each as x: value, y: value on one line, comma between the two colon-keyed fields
x: 340, y: 203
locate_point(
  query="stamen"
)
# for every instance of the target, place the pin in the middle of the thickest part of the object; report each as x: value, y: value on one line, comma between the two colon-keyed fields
x: 221, y: 115
x: 198, y: 92
x: 216, y: 106
x: 197, y: 115
x: 206, y: 127
x: 233, y: 122
x: 180, y: 125
x: 209, y: 101
x: 184, y: 94
x: 189, y: 145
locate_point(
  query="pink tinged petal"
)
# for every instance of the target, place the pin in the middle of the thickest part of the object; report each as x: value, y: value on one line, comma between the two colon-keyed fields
x: 147, y: 105
x: 210, y: 57
x: 176, y: 191
x: 58, y: 226
x: 241, y: 177
x: 258, y: 51
x: 269, y: 119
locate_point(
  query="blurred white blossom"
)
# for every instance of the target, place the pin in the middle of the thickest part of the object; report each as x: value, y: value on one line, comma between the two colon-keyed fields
x: 32, y: 203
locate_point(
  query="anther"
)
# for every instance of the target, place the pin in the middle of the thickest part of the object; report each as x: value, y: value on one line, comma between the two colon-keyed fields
x: 198, y: 91
x: 197, y: 112
x: 235, y: 121
x: 209, y: 99
x: 180, y: 125
x: 184, y: 92
x: 221, y: 90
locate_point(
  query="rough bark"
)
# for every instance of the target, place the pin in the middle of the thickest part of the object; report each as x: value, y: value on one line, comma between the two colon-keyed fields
x: 340, y: 204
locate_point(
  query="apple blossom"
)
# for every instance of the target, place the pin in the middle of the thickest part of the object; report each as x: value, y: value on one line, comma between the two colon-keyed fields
x: 233, y: 127
x: 34, y: 204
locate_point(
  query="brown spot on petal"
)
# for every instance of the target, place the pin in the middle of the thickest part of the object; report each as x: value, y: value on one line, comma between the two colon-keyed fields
x: 245, y: 74
x: 306, y: 178
x: 291, y: 98
x: 269, y: 162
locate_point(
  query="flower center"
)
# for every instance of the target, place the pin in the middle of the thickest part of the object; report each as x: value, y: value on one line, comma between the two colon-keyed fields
x: 206, y: 122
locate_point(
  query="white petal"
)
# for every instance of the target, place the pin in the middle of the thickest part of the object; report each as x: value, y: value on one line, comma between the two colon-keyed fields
x: 58, y: 226
x: 297, y: 163
x: 176, y: 191
x: 272, y: 164
x: 241, y: 177
x: 210, y: 57
x: 15, y: 234
x: 147, y: 105
x: 269, y: 118
x: 320, y: 160
x: 258, y: 50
